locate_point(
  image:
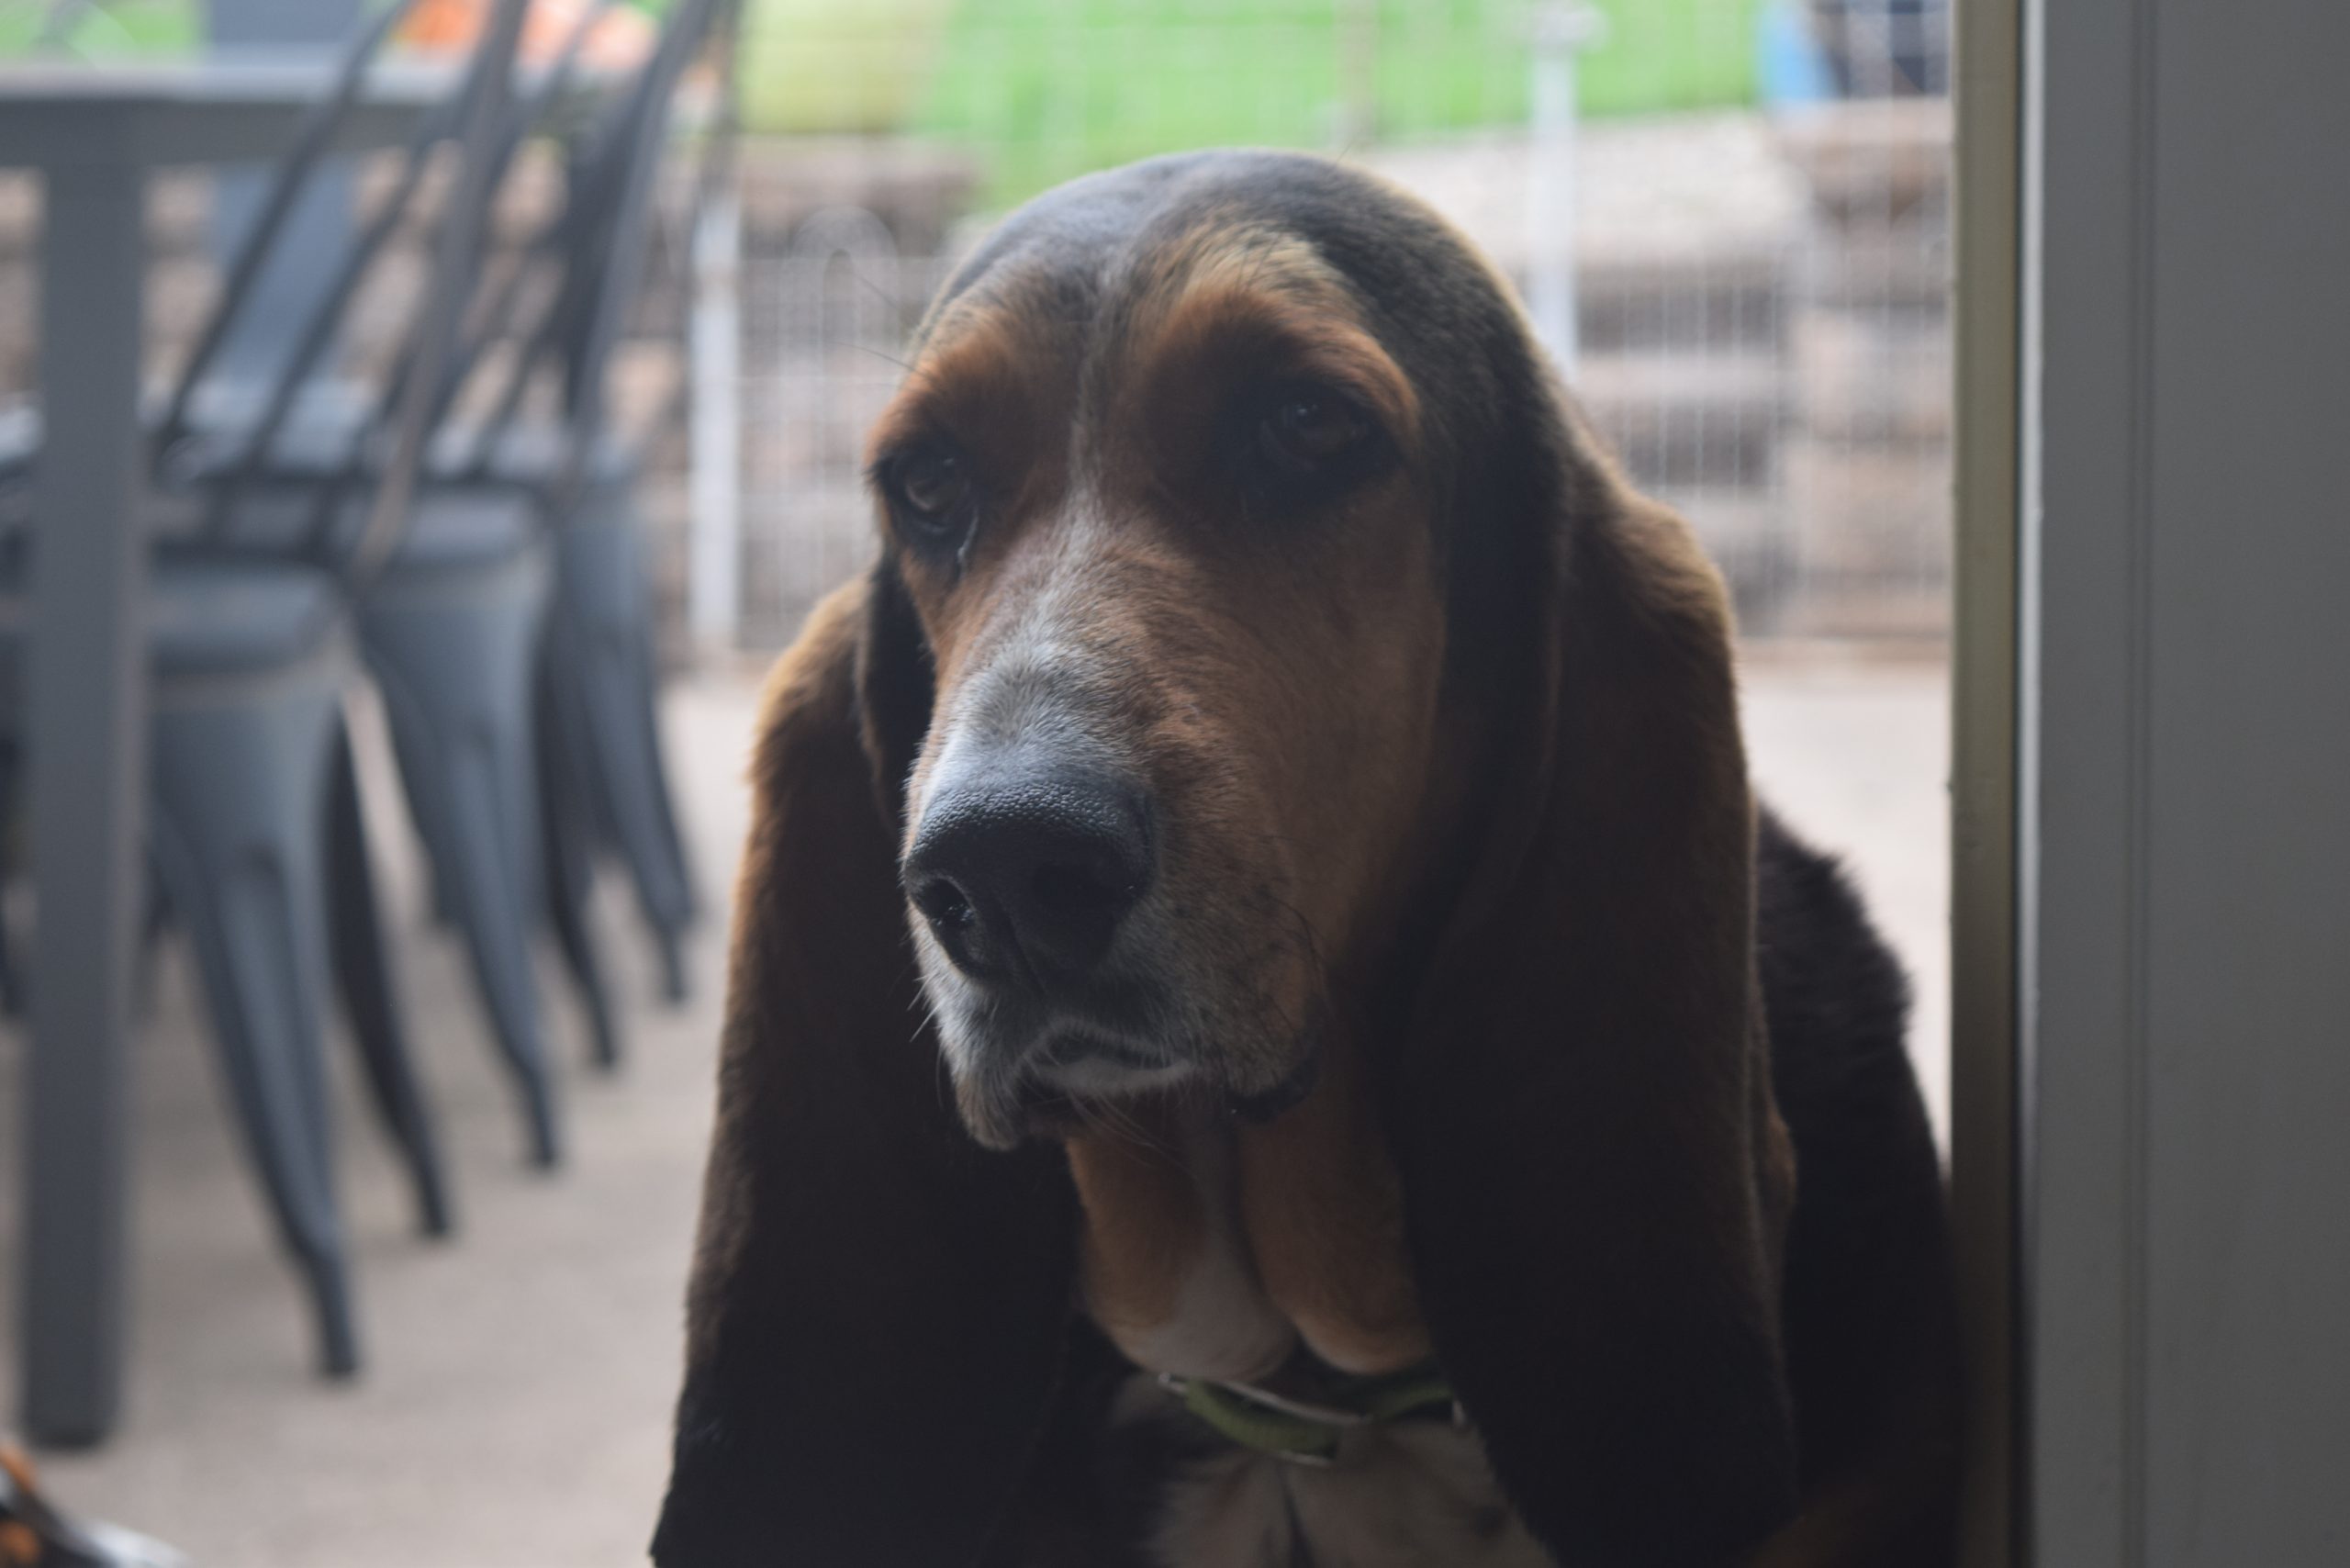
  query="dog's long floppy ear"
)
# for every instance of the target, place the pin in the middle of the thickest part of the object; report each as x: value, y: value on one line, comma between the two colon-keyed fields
x: 1593, y: 1169
x: 879, y: 1305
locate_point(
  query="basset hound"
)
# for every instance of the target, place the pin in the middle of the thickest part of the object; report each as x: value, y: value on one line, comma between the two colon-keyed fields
x: 1267, y: 1025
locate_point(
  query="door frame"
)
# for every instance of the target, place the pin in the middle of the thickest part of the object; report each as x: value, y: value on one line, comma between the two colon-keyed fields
x: 1986, y: 1099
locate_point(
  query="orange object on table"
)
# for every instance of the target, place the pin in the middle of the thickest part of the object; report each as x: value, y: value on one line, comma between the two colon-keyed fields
x: 621, y: 37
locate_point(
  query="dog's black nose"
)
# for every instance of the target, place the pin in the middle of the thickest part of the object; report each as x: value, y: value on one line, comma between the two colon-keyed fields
x: 1025, y: 874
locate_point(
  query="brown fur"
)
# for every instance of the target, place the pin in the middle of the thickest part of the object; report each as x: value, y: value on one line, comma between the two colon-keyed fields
x: 1219, y: 298
x: 1318, y: 1195
x: 1308, y: 1206
x: 1457, y: 832
x: 1218, y: 679
x: 1323, y: 1213
x: 1217, y: 657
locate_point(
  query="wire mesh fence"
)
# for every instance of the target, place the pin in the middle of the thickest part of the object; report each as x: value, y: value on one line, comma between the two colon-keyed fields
x: 1747, y: 207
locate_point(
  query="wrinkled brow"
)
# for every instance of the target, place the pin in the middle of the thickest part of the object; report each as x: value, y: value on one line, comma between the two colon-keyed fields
x: 1244, y: 291
x: 997, y: 361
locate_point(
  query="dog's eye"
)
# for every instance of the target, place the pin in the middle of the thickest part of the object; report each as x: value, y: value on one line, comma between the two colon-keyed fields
x: 934, y: 489
x: 933, y: 483
x: 1306, y: 430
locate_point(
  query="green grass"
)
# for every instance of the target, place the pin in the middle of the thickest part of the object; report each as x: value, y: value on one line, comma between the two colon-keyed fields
x: 1047, y: 89
x: 114, y: 28
x: 1052, y: 88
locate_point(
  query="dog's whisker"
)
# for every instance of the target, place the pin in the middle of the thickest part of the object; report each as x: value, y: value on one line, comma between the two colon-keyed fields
x: 877, y: 354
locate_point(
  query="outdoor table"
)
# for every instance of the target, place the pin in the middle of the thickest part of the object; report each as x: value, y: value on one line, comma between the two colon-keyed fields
x: 95, y: 133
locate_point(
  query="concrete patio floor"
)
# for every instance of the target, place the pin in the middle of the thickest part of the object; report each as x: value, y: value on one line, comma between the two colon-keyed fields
x: 514, y: 1412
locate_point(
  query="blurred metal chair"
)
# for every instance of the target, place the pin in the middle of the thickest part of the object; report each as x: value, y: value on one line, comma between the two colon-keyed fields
x: 449, y: 591
x: 519, y: 523
x: 257, y: 838
x: 598, y: 713
x: 592, y: 722
x: 602, y: 778
x: 587, y: 713
x: 604, y: 662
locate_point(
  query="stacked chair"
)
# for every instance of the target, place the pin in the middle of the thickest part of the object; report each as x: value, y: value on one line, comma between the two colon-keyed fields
x: 305, y: 535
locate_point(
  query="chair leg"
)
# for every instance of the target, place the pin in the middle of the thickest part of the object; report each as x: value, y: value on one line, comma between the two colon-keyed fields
x: 154, y: 924
x: 624, y: 733
x: 455, y: 661
x: 461, y: 770
x: 647, y: 693
x: 604, y: 618
x: 569, y: 850
x: 423, y: 801
x: 370, y: 995
x: 12, y: 999
x: 11, y: 1004
x: 237, y: 842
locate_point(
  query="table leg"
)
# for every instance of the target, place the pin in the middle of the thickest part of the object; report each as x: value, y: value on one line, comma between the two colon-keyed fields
x: 87, y: 733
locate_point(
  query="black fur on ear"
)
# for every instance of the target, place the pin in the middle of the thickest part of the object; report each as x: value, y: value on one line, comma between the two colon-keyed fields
x: 879, y: 1307
x: 1595, y: 1182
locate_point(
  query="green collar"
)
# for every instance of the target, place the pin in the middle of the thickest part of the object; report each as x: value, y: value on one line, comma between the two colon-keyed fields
x: 1308, y: 1431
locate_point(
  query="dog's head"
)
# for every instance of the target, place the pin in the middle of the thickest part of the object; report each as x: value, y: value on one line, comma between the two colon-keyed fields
x: 1175, y: 494
x: 1259, y: 652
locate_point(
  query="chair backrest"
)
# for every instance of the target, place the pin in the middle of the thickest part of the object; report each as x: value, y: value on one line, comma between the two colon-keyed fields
x: 599, y: 240
x: 484, y: 156
x: 605, y: 306
x: 287, y: 182
x: 547, y: 250
x: 479, y: 122
x: 592, y: 248
x: 579, y: 257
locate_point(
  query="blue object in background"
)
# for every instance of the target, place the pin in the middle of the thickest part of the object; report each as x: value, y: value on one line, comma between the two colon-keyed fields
x: 1790, y: 67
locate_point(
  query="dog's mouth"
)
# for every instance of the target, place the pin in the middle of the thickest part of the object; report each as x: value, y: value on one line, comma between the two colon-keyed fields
x: 1039, y: 1072
x: 1076, y: 1077
x: 1061, y: 1075
x: 1081, y: 1065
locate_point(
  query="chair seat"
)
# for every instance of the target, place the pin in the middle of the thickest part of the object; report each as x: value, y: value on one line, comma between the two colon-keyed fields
x: 276, y: 510
x: 316, y: 438
x: 532, y: 454
x: 526, y: 454
x: 206, y: 616
x: 245, y: 606
x: 315, y: 441
x: 212, y: 616
x: 449, y: 525
x: 465, y: 524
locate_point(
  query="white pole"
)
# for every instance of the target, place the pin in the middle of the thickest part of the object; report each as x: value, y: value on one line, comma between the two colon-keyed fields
x: 1560, y: 28
x: 714, y: 555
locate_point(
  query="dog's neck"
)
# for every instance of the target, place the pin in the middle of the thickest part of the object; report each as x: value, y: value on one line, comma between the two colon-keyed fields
x: 1213, y: 1247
